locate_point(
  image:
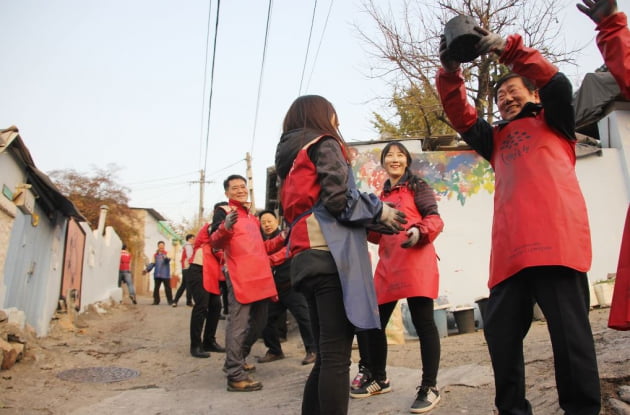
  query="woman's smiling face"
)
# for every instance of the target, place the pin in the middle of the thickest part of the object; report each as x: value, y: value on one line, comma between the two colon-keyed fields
x: 395, y: 163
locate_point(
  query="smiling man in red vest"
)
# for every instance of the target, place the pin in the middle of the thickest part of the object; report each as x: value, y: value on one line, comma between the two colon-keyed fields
x: 541, y: 246
x: 236, y: 231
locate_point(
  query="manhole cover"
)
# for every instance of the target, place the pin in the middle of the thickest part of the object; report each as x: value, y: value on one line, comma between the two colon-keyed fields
x: 98, y: 374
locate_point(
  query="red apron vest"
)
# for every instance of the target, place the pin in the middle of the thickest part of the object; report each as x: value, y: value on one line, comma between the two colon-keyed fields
x: 540, y: 215
x: 202, y: 255
x: 247, y: 260
x: 298, y: 194
x: 402, y: 273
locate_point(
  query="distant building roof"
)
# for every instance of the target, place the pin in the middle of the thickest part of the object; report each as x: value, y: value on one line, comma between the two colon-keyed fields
x: 151, y: 212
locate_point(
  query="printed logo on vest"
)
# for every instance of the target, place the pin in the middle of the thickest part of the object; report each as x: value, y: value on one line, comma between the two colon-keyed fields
x: 514, y: 146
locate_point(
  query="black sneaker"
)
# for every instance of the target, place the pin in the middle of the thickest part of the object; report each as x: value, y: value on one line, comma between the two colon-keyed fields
x: 362, y: 377
x: 371, y: 387
x: 426, y: 399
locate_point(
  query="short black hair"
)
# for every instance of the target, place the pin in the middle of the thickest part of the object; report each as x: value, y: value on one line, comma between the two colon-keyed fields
x: 271, y: 212
x: 226, y: 182
x: 189, y: 236
x: 124, y: 246
x: 529, y: 84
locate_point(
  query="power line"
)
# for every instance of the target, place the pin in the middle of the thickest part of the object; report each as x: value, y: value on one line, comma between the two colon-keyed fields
x: 310, y: 33
x: 319, y: 45
x: 205, y: 76
x: 262, y: 67
x: 214, y: 51
x: 161, y: 179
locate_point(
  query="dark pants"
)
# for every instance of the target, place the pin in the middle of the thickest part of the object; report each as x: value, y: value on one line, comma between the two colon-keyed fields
x: 563, y: 296
x: 167, y: 290
x: 224, y: 296
x: 296, y: 304
x: 184, y: 287
x: 373, y: 343
x: 206, y: 309
x: 328, y: 386
x: 245, y: 322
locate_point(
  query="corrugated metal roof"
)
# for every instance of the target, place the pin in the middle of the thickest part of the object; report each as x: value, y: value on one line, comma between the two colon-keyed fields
x: 49, y: 197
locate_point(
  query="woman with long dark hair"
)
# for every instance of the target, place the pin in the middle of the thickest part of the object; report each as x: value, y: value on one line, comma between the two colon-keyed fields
x: 327, y: 217
x: 407, y: 268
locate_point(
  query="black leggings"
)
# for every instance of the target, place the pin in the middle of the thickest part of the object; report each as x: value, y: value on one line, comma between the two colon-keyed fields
x: 373, y: 343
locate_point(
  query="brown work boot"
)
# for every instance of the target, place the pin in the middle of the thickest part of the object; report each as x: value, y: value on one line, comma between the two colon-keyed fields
x: 249, y: 368
x: 245, y: 385
x: 309, y: 358
x: 270, y: 357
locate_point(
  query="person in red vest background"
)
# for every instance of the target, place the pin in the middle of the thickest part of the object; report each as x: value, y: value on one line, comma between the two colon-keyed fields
x: 613, y: 41
x: 124, y: 273
x: 186, y: 258
x: 541, y: 245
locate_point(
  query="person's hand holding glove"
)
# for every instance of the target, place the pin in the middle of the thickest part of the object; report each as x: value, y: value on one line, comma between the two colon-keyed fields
x: 598, y: 10
x: 489, y: 42
x: 230, y: 220
x: 413, y: 236
x: 448, y: 63
x: 392, y: 218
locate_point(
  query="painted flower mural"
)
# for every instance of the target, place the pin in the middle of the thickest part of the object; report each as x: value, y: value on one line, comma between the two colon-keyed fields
x: 452, y: 174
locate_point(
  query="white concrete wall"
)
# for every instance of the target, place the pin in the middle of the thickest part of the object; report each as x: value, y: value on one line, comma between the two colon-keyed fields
x: 604, y: 186
x: 100, y: 266
x: 614, y: 132
x: 464, y: 247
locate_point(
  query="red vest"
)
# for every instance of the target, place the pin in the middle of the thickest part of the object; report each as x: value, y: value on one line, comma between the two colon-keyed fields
x: 245, y: 254
x: 405, y: 272
x: 299, y: 192
x: 540, y: 215
x: 202, y: 252
x: 125, y: 261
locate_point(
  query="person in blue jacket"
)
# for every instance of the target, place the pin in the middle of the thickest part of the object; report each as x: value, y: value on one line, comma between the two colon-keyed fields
x: 161, y: 267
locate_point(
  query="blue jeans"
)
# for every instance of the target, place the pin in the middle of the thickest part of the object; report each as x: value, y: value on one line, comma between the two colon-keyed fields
x: 328, y: 386
x: 126, y: 277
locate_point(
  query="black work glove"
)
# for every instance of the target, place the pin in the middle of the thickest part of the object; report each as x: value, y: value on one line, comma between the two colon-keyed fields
x: 489, y: 42
x: 448, y: 62
x: 230, y: 220
x: 598, y: 10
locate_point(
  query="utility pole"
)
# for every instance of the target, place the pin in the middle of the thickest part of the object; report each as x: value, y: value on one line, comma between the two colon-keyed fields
x: 202, y: 182
x: 250, y: 183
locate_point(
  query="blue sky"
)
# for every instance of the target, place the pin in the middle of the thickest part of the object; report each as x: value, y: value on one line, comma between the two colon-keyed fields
x: 90, y: 83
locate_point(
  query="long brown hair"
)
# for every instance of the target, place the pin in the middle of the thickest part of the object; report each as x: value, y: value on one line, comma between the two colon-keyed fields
x: 315, y: 113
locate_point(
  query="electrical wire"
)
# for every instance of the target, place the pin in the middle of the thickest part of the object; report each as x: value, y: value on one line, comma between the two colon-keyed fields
x: 319, y: 45
x: 203, y: 91
x: 260, y: 78
x: 161, y: 179
x: 308, y: 45
x: 214, y: 52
